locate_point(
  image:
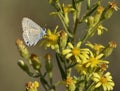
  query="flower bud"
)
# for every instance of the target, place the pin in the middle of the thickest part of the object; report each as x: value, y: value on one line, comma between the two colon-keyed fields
x: 35, y: 62
x: 98, y: 14
x: 22, y: 49
x: 48, y: 64
x: 109, y: 49
x: 23, y: 66
x: 63, y: 39
x: 90, y: 21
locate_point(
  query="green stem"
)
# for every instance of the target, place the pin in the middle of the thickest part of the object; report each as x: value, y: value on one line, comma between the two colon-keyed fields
x: 69, y: 72
x: 64, y: 25
x: 59, y: 9
x: 44, y: 82
x: 89, y: 11
x: 78, y: 10
x: 90, y: 87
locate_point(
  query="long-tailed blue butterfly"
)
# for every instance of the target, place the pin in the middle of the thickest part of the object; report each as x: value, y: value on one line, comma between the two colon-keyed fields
x: 32, y: 32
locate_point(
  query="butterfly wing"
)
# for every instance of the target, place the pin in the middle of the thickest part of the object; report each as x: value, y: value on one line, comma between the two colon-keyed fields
x: 31, y: 37
x: 32, y: 32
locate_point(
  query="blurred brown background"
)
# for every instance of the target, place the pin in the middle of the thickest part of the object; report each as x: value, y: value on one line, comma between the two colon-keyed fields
x: 12, y: 78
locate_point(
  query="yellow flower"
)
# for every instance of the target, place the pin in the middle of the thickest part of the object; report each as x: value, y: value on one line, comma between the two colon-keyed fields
x: 103, y: 80
x: 101, y: 29
x: 66, y: 9
x: 32, y: 86
x: 51, y: 39
x: 96, y: 47
x: 69, y: 81
x: 76, y: 52
x: 94, y: 61
x: 35, y: 84
x: 81, y: 68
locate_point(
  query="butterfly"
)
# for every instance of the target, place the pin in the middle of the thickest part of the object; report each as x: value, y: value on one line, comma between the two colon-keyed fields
x: 32, y: 32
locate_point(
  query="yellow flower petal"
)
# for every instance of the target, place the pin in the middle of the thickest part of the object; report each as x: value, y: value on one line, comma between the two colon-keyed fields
x: 78, y: 44
x: 70, y: 45
x: 77, y: 58
x: 49, y: 32
x: 68, y: 55
x: 98, y: 85
x: 66, y: 51
x: 99, y: 56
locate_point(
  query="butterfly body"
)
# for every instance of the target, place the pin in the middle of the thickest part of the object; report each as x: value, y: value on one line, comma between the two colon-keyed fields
x: 32, y: 32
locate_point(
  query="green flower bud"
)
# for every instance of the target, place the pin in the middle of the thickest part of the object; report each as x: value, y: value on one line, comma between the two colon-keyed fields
x: 98, y: 14
x: 48, y: 67
x: 48, y: 64
x: 63, y: 39
x: 35, y: 62
x: 108, y: 13
x: 90, y: 21
x: 23, y: 66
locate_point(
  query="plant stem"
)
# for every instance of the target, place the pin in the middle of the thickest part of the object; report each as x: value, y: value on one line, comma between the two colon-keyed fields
x: 90, y: 32
x: 64, y: 25
x: 90, y: 87
x: 88, y: 4
x: 78, y: 9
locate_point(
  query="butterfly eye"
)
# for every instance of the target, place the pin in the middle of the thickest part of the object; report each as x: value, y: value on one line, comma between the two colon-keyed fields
x: 27, y: 42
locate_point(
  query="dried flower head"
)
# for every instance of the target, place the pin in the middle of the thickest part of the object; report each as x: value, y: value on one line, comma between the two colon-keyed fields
x: 113, y: 5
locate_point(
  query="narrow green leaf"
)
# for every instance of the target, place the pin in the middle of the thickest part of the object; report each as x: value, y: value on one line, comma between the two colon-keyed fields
x: 63, y: 74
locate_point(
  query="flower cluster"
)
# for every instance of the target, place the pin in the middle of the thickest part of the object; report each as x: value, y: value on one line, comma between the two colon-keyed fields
x: 72, y: 53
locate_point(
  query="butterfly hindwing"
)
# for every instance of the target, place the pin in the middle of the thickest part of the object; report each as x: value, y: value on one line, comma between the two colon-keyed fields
x: 32, y: 32
x: 31, y: 37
